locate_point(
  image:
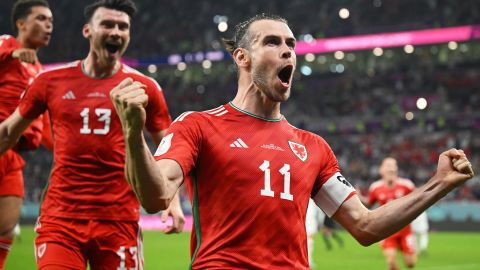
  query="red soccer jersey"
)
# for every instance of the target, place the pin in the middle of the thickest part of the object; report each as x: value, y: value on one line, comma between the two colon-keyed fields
x: 381, y: 193
x: 14, y: 76
x: 250, y: 180
x: 87, y: 181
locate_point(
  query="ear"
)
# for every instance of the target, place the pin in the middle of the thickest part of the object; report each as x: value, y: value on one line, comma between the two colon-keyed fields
x: 86, y: 30
x: 20, y: 24
x: 241, y: 57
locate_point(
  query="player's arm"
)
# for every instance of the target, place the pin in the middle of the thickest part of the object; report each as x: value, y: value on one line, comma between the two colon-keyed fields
x: 369, y: 227
x: 11, y: 129
x: 23, y: 54
x: 175, y: 208
x: 154, y: 182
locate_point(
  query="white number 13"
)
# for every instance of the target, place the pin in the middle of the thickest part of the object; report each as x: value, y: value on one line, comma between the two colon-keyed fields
x: 267, y: 190
x: 103, y: 116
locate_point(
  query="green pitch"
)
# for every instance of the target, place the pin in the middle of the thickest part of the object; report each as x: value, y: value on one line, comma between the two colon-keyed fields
x: 447, y: 251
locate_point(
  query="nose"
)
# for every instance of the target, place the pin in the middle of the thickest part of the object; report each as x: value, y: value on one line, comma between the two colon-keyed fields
x: 115, y: 31
x: 286, y: 51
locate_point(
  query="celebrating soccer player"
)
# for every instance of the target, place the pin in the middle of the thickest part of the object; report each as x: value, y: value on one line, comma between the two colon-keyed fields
x: 90, y: 214
x: 250, y: 173
x: 32, y: 20
x: 389, y: 188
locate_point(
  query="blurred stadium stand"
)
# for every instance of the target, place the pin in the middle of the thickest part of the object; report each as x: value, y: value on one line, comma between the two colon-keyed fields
x: 365, y: 105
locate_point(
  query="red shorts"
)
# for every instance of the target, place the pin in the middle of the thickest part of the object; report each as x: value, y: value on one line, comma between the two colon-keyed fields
x: 11, y: 176
x: 403, y: 240
x: 104, y: 244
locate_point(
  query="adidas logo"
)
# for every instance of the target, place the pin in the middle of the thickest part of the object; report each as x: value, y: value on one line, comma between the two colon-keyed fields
x: 239, y: 143
x: 69, y: 95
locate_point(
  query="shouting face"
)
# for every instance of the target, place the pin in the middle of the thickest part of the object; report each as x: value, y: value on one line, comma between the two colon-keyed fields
x: 273, y: 58
x: 109, y: 34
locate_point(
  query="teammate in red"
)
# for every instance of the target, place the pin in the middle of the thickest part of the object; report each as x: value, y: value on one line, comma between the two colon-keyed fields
x: 32, y: 19
x: 249, y: 173
x: 391, y: 187
x: 90, y: 214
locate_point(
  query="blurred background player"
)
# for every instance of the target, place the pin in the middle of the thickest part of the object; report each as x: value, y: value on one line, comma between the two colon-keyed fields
x: 391, y: 187
x: 316, y: 220
x: 19, y: 64
x: 420, y: 229
x: 89, y: 213
x: 313, y: 221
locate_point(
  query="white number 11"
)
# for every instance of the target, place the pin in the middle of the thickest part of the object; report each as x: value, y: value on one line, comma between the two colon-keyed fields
x: 267, y: 190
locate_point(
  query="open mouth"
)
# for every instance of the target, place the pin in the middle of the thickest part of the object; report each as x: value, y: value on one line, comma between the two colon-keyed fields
x: 285, y: 74
x: 112, y: 48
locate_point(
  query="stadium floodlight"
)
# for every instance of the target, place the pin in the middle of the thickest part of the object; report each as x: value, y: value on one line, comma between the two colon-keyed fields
x: 309, y: 57
x: 422, y: 103
x: 409, y: 49
x: 152, y: 68
x: 181, y: 66
x: 339, y: 55
x: 409, y: 116
x: 344, y: 13
x: 452, y: 45
x: 378, y: 51
x: 223, y: 26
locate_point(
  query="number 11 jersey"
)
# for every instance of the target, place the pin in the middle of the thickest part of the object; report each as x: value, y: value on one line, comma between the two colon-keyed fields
x: 250, y: 180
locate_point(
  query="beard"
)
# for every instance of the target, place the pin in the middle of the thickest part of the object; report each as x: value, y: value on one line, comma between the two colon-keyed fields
x: 264, y: 80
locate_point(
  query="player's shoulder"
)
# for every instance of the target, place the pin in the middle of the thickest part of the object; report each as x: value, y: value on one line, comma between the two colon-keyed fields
x: 308, y: 135
x: 406, y: 182
x: 376, y: 184
x: 60, y: 69
x: 203, y: 116
x: 138, y: 76
x: 6, y: 37
x: 8, y: 41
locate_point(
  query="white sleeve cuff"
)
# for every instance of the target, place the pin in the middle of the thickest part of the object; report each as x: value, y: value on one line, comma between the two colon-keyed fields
x: 333, y: 193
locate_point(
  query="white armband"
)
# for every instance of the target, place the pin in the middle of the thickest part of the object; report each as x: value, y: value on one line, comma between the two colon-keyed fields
x: 333, y: 193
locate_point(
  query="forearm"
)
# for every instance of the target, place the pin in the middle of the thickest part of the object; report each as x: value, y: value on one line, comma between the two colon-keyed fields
x: 11, y: 129
x: 152, y: 187
x: 392, y: 217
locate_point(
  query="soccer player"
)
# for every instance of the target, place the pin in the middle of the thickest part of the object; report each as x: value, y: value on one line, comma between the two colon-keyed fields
x: 420, y: 230
x: 89, y: 213
x: 32, y: 21
x: 391, y: 187
x: 250, y: 173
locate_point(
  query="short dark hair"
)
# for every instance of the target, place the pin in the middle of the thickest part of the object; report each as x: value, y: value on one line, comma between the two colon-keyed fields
x: 126, y: 6
x: 22, y: 8
x: 242, y: 37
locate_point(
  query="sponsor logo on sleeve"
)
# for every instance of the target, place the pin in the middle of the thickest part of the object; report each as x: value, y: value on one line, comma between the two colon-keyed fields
x: 164, y: 145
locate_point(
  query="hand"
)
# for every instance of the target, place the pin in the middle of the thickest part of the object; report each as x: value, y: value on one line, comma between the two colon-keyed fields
x: 454, y: 167
x: 130, y: 100
x: 175, y: 211
x: 25, y: 55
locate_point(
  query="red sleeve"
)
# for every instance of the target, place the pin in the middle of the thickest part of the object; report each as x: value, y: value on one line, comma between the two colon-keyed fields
x: 158, y: 117
x: 372, y: 199
x: 182, y: 142
x: 34, y: 102
x: 329, y: 165
x: 47, y: 137
x: 7, y: 46
x: 32, y: 136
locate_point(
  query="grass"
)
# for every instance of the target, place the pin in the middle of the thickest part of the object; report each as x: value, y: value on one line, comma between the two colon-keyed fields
x: 447, y: 251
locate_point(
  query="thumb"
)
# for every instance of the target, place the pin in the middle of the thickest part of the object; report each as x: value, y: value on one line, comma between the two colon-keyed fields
x: 164, y: 216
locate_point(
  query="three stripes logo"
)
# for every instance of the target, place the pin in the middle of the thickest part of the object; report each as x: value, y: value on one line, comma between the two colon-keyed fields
x: 69, y: 95
x: 238, y: 143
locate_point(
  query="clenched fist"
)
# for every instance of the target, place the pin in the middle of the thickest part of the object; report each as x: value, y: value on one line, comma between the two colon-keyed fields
x: 25, y: 55
x: 454, y: 167
x: 129, y: 99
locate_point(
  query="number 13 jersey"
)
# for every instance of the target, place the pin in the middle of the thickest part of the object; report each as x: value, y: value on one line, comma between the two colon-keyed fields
x: 250, y: 180
x: 87, y: 180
